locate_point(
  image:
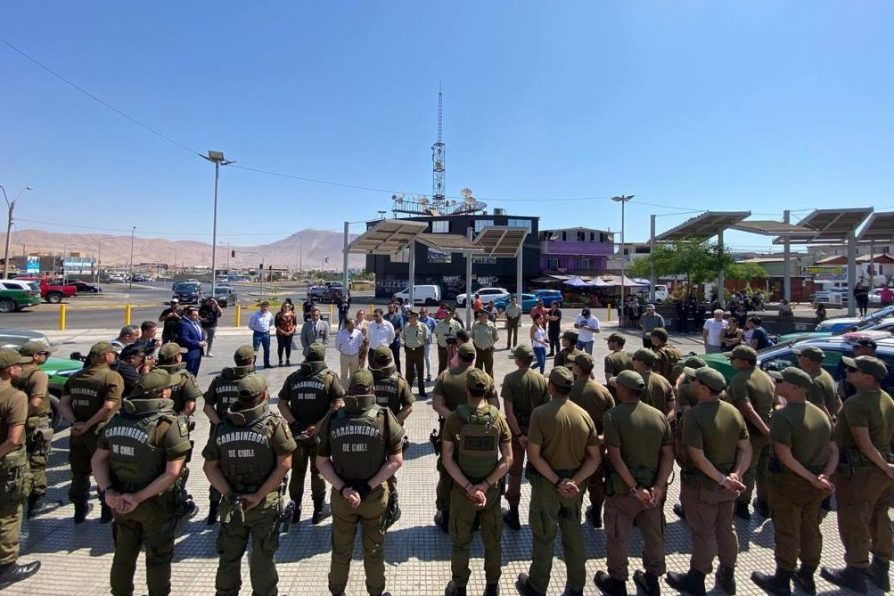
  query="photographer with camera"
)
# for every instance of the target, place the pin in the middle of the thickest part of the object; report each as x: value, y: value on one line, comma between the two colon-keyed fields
x: 307, y: 395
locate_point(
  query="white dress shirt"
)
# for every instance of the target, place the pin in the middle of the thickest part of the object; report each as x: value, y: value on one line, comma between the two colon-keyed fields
x: 348, y: 342
x: 380, y: 334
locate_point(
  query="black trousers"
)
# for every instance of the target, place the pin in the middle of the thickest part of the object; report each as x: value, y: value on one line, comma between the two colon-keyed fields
x: 395, y: 352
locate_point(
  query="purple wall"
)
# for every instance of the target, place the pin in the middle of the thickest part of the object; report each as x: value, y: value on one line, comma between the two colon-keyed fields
x: 574, y: 247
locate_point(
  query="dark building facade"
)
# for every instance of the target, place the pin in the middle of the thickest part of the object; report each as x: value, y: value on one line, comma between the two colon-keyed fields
x: 448, y: 270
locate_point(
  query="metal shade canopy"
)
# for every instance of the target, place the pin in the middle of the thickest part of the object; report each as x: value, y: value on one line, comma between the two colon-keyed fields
x: 830, y: 226
x: 879, y: 228
x: 501, y: 241
x: 772, y: 228
x: 388, y: 237
x: 706, y: 225
x: 450, y: 243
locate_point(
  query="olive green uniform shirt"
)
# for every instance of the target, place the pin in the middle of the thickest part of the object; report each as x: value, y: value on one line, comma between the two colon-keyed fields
x: 525, y: 390
x: 13, y: 410
x: 187, y: 388
x: 513, y: 311
x: 484, y: 335
x: 35, y: 382
x: 414, y: 336
x: 658, y: 393
x: 445, y: 329
x: 806, y: 430
x: 873, y: 410
x: 91, y: 387
x: 617, y: 362
x: 756, y: 387
x: 451, y: 385
x: 639, y: 431
x: 594, y: 398
x: 824, y: 392
x: 563, y: 430
x: 566, y: 356
x: 715, y: 427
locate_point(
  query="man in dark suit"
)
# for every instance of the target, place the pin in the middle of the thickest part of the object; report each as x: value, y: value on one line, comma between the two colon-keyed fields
x: 191, y: 336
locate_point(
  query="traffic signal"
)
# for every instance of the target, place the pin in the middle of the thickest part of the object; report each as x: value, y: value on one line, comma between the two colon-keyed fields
x: 233, y: 254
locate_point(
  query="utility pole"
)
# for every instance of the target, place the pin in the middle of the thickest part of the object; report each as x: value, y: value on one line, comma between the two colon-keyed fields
x: 623, y: 200
x: 11, y: 207
x: 130, y: 277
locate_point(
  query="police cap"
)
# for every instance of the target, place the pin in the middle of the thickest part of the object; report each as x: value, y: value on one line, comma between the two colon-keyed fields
x: 561, y: 377
x: 646, y: 356
x: 382, y: 356
x: 660, y: 333
x: 251, y: 385
x: 316, y: 352
x: 585, y: 361
x: 10, y: 357
x: 812, y: 352
x: 170, y: 350
x: 630, y: 379
x: 30, y: 348
x: 362, y: 382
x: 742, y: 353
x: 477, y: 380
x: 867, y: 364
x: 711, y: 378
x: 524, y: 351
x: 466, y: 352
x: 101, y: 348
x: 244, y: 353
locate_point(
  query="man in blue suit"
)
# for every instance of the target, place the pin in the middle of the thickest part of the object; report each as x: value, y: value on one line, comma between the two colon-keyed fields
x: 191, y: 336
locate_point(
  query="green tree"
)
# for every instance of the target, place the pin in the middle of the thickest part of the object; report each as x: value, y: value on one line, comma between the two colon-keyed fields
x: 697, y: 259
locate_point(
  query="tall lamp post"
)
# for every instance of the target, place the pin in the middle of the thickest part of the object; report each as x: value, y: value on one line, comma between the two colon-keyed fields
x: 218, y: 158
x: 10, y: 207
x: 133, y: 232
x: 623, y: 200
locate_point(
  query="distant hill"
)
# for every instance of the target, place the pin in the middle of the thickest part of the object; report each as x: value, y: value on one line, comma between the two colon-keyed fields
x: 308, y: 248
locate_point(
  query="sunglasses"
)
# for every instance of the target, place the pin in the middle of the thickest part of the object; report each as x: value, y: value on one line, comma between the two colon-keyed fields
x: 779, y: 381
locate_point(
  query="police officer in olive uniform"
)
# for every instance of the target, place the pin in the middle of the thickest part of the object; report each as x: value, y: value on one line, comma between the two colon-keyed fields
x: 444, y: 329
x: 563, y: 452
x: 864, y: 481
x: 360, y: 448
x: 752, y: 391
x: 220, y: 396
x: 13, y: 468
x: 186, y: 392
x: 659, y: 393
x: 823, y: 394
x: 448, y: 394
x: 596, y: 400
x: 477, y: 449
x: 307, y: 395
x: 718, y: 453
x: 393, y: 392
x: 513, y: 318
x: 523, y: 390
x: 685, y: 399
x: 565, y: 356
x: 641, y: 457
x: 484, y: 338
x: 89, y: 399
x: 616, y: 360
x: 246, y: 459
x: 414, y: 335
x: 38, y: 428
x: 666, y: 356
x: 803, y: 460
x: 140, y: 457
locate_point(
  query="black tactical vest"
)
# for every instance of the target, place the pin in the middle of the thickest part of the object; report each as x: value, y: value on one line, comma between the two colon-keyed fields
x: 246, y: 456
x: 358, y: 440
x: 135, y: 460
x: 226, y: 388
x: 387, y: 388
x: 309, y: 392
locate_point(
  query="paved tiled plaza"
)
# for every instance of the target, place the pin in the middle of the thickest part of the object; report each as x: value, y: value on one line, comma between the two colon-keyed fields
x: 76, y: 559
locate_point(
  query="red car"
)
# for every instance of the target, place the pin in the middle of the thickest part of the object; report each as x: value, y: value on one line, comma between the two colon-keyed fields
x: 51, y: 292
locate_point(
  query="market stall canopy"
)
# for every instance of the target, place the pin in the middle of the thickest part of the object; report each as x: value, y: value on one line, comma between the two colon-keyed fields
x: 578, y: 282
x: 616, y: 281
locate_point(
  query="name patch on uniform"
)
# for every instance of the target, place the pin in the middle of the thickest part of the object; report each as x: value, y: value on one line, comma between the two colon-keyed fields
x: 241, y: 436
x: 123, y: 450
x: 358, y: 429
x: 354, y: 448
x: 127, y: 432
x: 238, y: 453
x: 479, y: 443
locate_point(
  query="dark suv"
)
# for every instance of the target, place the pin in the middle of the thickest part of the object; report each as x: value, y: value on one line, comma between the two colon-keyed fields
x: 188, y: 292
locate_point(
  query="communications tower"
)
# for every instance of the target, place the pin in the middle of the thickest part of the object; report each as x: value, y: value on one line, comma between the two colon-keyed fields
x: 438, y: 185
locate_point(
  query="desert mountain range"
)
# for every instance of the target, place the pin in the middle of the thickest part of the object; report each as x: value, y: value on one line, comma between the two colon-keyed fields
x: 306, y: 248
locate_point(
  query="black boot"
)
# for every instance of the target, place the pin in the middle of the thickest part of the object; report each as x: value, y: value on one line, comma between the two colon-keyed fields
x: 510, y: 518
x: 212, y: 512
x: 647, y: 582
x: 296, y: 513
x: 741, y: 511
x: 105, y: 513
x: 779, y: 583
x: 13, y: 572
x: 804, y: 579
x: 492, y: 590
x: 678, y: 509
x: 38, y: 506
x: 322, y: 510
x: 594, y: 514
x: 852, y: 578
x: 608, y: 585
x: 692, y: 582
x: 878, y: 573
x: 81, y: 512
x: 524, y: 587
x: 453, y: 590
x: 442, y: 520
x: 726, y: 579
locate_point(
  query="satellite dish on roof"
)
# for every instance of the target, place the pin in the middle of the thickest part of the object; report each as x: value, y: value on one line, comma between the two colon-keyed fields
x: 466, y: 193
x: 478, y: 206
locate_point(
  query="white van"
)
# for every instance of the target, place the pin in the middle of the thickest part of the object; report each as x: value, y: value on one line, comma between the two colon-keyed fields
x: 428, y: 295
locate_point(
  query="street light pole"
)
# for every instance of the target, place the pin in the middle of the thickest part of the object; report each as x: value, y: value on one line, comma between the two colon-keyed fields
x: 218, y: 158
x: 10, y: 207
x: 133, y: 232
x: 623, y: 200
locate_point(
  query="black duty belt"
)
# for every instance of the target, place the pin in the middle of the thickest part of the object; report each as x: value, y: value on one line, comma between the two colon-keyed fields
x: 563, y: 473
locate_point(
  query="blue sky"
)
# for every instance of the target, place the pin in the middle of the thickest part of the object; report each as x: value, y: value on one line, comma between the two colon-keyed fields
x: 689, y: 105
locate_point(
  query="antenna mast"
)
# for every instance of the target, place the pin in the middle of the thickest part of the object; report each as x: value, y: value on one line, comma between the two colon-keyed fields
x: 438, y: 184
